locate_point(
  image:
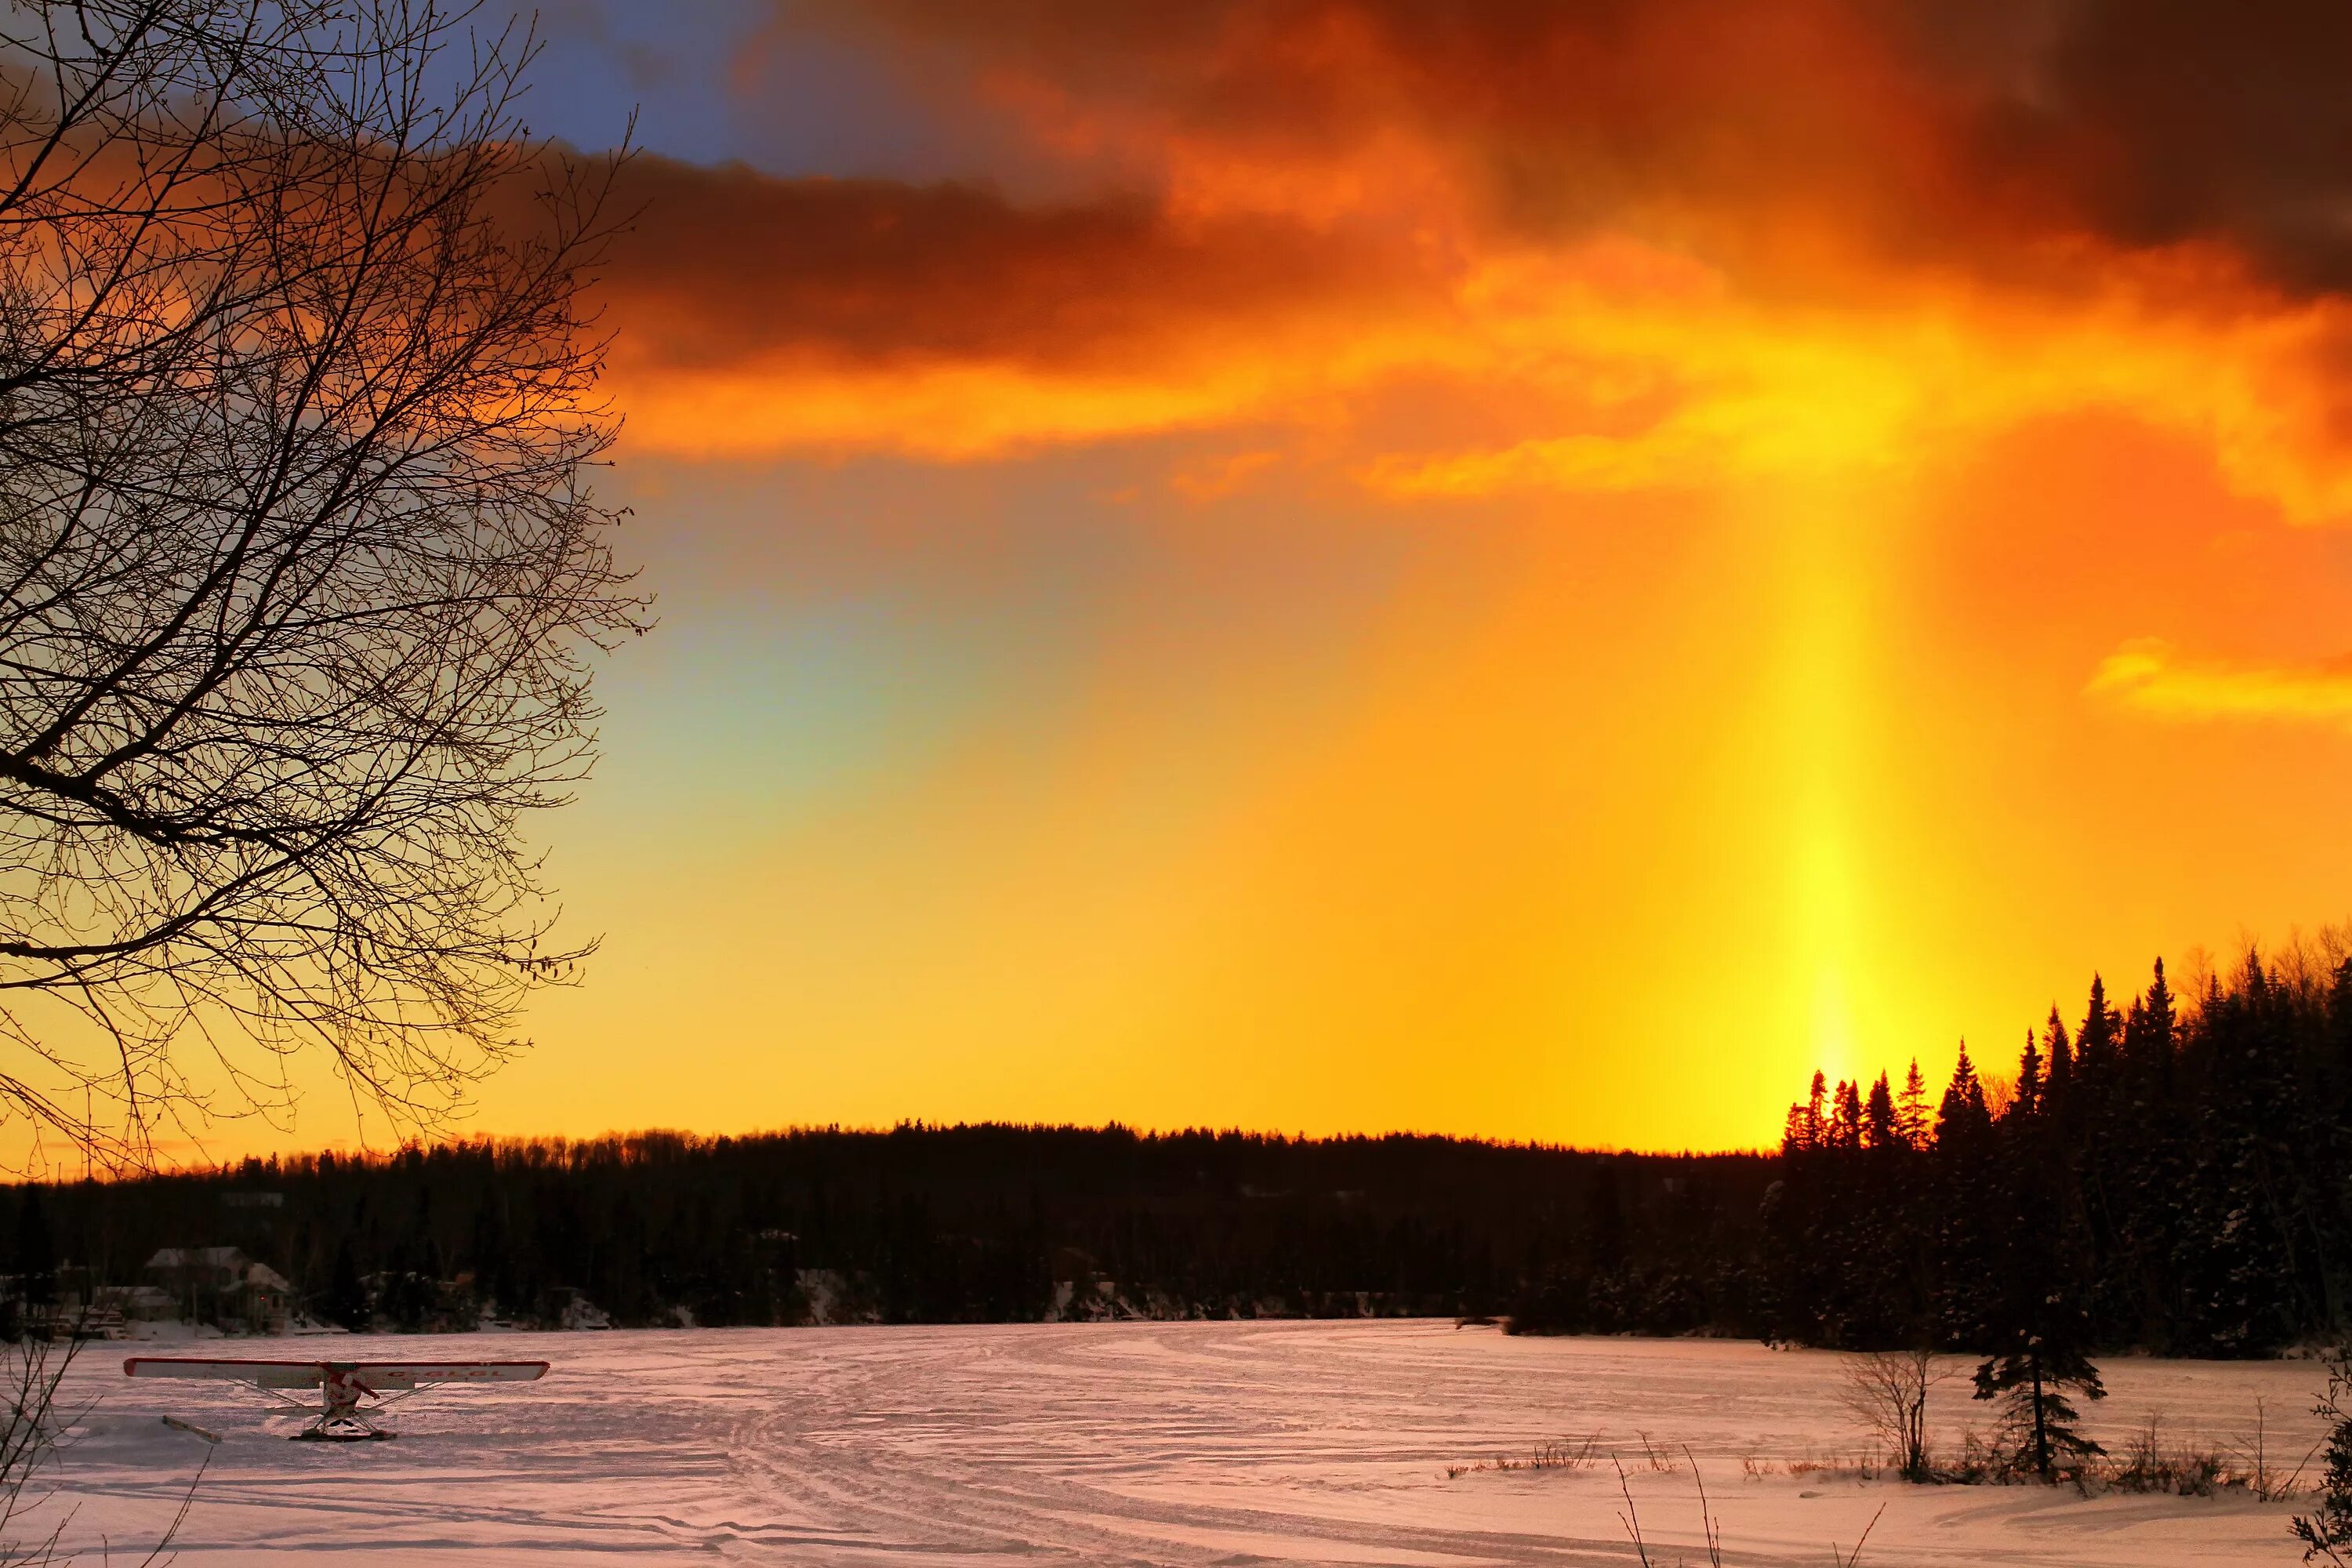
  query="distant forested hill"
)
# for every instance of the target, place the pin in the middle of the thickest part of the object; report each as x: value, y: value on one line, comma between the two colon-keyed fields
x: 946, y: 1223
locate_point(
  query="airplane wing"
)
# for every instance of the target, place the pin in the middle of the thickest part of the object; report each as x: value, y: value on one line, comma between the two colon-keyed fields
x: 222, y: 1369
x: 426, y: 1374
x: 370, y: 1375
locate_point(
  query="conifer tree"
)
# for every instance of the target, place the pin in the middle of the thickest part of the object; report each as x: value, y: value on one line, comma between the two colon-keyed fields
x: 2157, y: 1044
x: 2028, y: 1101
x: 1963, y: 1112
x: 2041, y: 1425
x: 1846, y: 1128
x: 2242, y: 1281
x: 1878, y: 1127
x: 2058, y: 1074
x: 1967, y: 1182
x: 2097, y: 1042
x: 1911, y: 1122
x: 1807, y: 1126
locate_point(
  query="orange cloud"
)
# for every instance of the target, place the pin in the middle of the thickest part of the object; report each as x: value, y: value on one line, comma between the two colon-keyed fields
x: 1670, y: 245
x: 2149, y: 676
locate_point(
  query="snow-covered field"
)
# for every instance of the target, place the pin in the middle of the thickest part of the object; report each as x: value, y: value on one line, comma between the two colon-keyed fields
x: 1177, y: 1443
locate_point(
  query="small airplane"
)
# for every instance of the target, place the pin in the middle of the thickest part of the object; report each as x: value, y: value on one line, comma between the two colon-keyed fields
x: 342, y: 1384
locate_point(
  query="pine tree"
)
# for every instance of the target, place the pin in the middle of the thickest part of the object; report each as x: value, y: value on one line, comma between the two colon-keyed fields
x: 1846, y: 1128
x: 2040, y: 1422
x: 2028, y: 1102
x: 1963, y: 1111
x: 1807, y: 1128
x: 2238, y: 1264
x: 2097, y: 1042
x: 1911, y: 1108
x: 1878, y: 1124
x: 1965, y: 1296
x: 2159, y: 1039
x: 2058, y: 1079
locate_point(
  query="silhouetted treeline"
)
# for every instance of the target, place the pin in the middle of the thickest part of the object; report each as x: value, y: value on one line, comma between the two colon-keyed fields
x: 2173, y: 1174
x: 2168, y: 1173
x: 955, y: 1224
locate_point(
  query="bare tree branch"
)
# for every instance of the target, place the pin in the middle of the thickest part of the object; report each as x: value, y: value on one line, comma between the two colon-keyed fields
x: 300, y: 571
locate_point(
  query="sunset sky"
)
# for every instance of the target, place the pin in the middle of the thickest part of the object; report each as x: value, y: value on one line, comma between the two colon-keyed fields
x: 1514, y: 569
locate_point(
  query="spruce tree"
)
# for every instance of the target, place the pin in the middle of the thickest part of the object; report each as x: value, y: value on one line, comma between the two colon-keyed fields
x: 2158, y: 1031
x: 1807, y: 1128
x: 2028, y: 1100
x: 1966, y: 1184
x: 2238, y: 1265
x: 1846, y: 1126
x: 2098, y: 1042
x: 2039, y: 1328
x: 2058, y: 1074
x: 1963, y: 1111
x: 1911, y: 1122
x: 2040, y: 1423
x: 1878, y: 1127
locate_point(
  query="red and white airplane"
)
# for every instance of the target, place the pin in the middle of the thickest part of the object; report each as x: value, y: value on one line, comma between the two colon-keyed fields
x: 342, y: 1383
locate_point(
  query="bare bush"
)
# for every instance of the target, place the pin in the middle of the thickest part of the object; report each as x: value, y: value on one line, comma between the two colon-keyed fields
x: 2148, y: 1463
x: 1559, y: 1454
x: 1886, y: 1392
x: 299, y: 567
x: 32, y: 1372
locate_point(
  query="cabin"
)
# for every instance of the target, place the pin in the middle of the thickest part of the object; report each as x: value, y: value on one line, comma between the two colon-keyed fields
x: 221, y: 1285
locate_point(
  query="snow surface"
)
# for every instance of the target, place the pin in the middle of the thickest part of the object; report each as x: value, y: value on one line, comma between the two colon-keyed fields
x: 1176, y: 1443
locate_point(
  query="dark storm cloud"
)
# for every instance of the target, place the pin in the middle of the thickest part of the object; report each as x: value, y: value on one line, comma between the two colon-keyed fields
x: 1934, y: 130
x: 2154, y: 121
x: 730, y: 265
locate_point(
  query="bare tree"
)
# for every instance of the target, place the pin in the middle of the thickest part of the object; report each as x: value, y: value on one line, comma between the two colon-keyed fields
x: 34, y: 1420
x: 1886, y: 1392
x: 300, y: 572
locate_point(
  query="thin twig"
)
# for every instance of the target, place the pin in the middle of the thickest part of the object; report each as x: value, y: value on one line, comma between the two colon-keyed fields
x: 1631, y: 1518
x: 1851, y: 1557
x: 1712, y: 1531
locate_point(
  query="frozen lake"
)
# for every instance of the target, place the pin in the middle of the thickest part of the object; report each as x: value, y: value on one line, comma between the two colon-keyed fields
x: 1175, y: 1443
